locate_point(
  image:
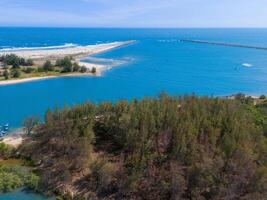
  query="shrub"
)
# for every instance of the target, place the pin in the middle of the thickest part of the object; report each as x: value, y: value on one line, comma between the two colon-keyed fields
x: 29, y: 70
x: 262, y: 97
x: 83, y: 69
x: 48, y: 66
x: 15, y: 177
x: 16, y: 73
x: 29, y: 62
x: 76, y: 67
x: 65, y: 62
x: 6, y: 74
x: 93, y: 70
x: 5, y: 150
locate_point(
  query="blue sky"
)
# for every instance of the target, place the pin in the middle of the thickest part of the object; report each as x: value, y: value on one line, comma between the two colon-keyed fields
x: 134, y: 13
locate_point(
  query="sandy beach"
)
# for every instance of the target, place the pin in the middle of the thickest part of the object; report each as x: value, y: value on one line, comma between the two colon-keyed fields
x: 15, y: 139
x: 24, y: 80
x: 77, y: 52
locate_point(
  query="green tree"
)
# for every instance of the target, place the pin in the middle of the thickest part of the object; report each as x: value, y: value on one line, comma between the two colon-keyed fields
x: 29, y: 62
x: 6, y: 74
x: 93, y: 70
x: 48, y: 66
x: 30, y: 123
x: 83, y: 69
x: 76, y: 67
x: 16, y: 73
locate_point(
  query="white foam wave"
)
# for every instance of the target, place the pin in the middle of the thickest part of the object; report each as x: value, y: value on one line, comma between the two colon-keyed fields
x: 67, y: 45
x: 247, y: 65
x: 168, y: 41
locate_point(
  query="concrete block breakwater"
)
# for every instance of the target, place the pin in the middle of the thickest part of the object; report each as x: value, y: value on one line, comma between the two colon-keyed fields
x: 225, y: 44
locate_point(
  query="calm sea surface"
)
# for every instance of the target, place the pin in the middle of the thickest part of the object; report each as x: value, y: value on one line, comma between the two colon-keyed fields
x: 157, y: 62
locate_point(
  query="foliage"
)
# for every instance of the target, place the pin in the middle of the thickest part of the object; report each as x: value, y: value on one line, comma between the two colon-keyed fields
x: 6, y: 74
x: 76, y: 67
x: 29, y: 70
x: 30, y: 123
x: 5, y: 150
x: 93, y: 70
x: 83, y: 69
x: 15, y: 177
x: 161, y: 148
x: 29, y: 62
x: 15, y: 61
x: 65, y: 63
x: 16, y: 73
x: 63, y: 145
x: 48, y: 66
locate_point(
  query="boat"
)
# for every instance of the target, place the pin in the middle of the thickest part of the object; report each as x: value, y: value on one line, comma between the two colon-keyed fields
x: 6, y: 127
x: 3, y: 130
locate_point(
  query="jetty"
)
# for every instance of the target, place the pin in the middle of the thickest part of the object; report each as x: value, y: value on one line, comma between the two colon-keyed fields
x: 224, y: 44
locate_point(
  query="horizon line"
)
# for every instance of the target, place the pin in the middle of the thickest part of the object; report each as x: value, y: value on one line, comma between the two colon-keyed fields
x: 137, y: 27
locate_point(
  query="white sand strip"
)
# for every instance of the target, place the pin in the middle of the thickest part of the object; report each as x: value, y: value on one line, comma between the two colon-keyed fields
x: 75, y: 51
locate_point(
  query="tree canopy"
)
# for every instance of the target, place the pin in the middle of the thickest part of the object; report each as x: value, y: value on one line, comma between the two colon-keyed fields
x: 155, y: 148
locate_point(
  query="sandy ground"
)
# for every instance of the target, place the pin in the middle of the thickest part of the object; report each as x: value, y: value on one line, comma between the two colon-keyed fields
x: 24, y: 80
x: 15, y: 139
x: 75, y: 51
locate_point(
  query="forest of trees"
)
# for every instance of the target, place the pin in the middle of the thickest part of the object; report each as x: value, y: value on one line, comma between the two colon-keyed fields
x: 156, y: 148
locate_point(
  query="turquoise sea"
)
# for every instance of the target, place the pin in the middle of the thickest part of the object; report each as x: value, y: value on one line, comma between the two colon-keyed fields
x: 158, y: 61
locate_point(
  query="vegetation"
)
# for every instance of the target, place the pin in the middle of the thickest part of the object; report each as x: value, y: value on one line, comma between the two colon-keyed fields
x: 17, y: 67
x: 6, y: 74
x: 83, y: 69
x: 16, y: 73
x: 163, y: 148
x: 30, y: 123
x: 93, y: 70
x: 48, y: 66
x: 13, y: 174
x: 15, y: 61
x: 15, y: 177
x: 5, y: 151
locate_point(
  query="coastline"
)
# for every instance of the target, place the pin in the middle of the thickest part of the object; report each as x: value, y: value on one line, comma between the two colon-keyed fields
x: 78, y: 52
x: 25, y: 80
x: 15, y: 138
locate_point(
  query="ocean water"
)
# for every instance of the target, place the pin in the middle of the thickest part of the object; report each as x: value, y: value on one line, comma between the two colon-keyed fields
x: 156, y: 62
x: 23, y: 194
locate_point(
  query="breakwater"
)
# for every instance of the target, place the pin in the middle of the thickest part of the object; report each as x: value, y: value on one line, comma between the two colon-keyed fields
x: 225, y: 44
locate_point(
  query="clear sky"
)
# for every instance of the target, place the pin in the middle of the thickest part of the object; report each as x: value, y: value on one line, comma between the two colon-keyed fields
x: 134, y: 13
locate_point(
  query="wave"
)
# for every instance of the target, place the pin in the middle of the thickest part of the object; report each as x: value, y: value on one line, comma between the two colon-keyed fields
x: 65, y: 46
x: 247, y: 65
x: 107, y: 61
x: 168, y: 41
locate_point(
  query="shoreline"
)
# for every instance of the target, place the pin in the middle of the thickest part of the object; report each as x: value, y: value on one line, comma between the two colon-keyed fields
x: 31, y: 79
x: 14, y: 138
x: 78, y: 52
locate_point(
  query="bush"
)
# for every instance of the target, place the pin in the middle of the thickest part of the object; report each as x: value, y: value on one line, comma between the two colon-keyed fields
x: 5, y: 150
x: 29, y: 62
x: 16, y: 73
x: 15, y: 177
x: 48, y: 66
x: 93, y: 70
x: 76, y: 67
x: 40, y: 69
x: 29, y: 70
x: 104, y: 172
x: 262, y: 97
x: 65, y: 62
x: 83, y: 69
x: 6, y: 74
